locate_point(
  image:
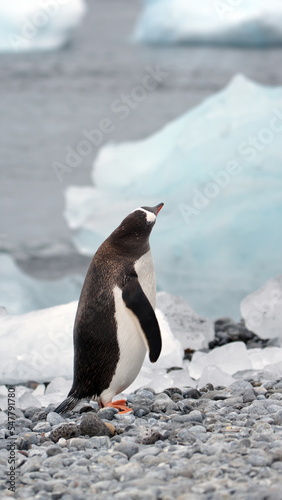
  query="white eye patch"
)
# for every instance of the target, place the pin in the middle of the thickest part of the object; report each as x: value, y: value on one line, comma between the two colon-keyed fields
x: 149, y: 215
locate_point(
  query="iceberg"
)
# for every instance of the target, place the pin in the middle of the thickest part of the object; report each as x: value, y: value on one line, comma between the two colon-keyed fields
x: 38, y: 24
x: 213, y: 22
x: 19, y: 293
x: 262, y: 310
x: 218, y: 170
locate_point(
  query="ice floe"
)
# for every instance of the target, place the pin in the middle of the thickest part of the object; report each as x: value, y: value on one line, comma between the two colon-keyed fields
x: 38, y: 24
x: 222, y: 22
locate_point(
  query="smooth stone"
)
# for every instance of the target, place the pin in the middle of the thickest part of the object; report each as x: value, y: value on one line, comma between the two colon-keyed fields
x: 195, y: 416
x: 54, y: 418
x: 127, y: 448
x: 249, y: 396
x: 53, y: 450
x: 32, y: 464
x: 42, y: 427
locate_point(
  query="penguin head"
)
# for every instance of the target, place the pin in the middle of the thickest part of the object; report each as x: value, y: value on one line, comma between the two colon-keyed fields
x: 134, y: 231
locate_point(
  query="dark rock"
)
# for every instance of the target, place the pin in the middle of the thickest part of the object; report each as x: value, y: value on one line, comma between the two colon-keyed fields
x: 191, y: 393
x: 91, y: 425
x: 207, y: 388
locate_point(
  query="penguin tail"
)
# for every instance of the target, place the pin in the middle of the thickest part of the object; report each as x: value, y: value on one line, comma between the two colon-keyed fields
x: 67, y: 405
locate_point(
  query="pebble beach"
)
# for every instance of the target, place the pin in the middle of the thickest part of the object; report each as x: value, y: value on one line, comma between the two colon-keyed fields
x: 207, y: 444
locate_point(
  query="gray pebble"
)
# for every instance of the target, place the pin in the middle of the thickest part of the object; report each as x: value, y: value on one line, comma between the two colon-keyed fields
x: 195, y: 416
x: 53, y: 450
x: 54, y: 418
x: 260, y: 459
x: 163, y: 403
x: 33, y: 464
x: 25, y: 441
x: 127, y: 448
x: 198, y: 429
x: 148, y: 436
x: 42, y: 427
x: 107, y: 413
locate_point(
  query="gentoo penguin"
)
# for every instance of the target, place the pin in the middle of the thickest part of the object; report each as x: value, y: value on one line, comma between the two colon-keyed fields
x: 115, y: 321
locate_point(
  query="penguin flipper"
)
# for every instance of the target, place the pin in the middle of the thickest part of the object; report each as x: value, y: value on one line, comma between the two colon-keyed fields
x: 67, y: 405
x: 136, y: 300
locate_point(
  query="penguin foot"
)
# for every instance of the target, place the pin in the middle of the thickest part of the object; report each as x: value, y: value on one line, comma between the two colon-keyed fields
x: 120, y: 405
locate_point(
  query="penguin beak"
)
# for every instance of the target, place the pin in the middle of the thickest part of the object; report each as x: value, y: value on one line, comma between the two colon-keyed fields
x: 157, y: 208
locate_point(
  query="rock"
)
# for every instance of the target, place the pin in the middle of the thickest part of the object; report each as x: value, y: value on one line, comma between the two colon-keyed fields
x: 107, y: 413
x: 148, y: 436
x: 53, y: 450
x: 33, y: 464
x: 127, y: 448
x: 25, y: 441
x: 163, y: 403
x: 249, y: 396
x: 42, y: 427
x: 191, y: 393
x: 66, y: 431
x: 54, y: 418
x: 91, y: 425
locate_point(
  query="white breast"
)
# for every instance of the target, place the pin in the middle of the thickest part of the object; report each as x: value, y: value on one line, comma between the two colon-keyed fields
x: 145, y: 271
x: 131, y: 338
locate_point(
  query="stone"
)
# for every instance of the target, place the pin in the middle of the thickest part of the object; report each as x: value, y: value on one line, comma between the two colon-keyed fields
x: 127, y: 448
x: 91, y: 425
x: 66, y: 431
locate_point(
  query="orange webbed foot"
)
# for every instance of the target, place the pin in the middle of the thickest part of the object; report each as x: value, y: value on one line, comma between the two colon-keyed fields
x: 120, y: 405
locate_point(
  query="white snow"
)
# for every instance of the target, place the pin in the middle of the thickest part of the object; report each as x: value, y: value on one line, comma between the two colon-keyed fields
x: 217, y: 168
x: 20, y: 293
x: 38, y: 24
x: 262, y: 309
x: 223, y: 22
